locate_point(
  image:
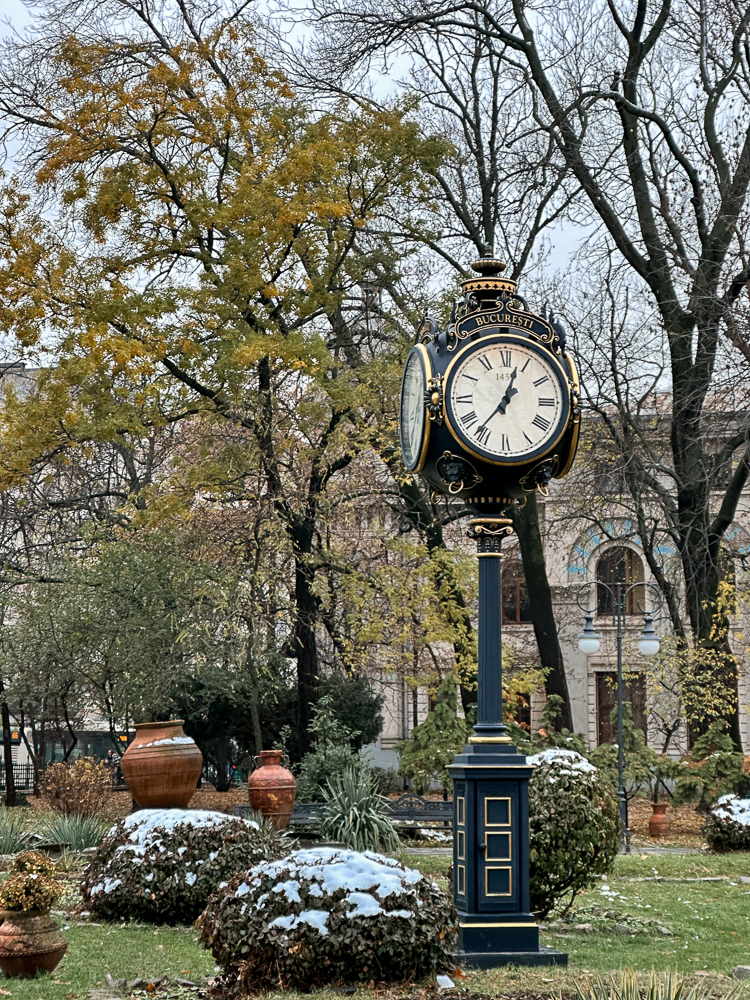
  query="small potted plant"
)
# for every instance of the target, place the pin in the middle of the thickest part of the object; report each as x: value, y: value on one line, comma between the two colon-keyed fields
x: 29, y: 939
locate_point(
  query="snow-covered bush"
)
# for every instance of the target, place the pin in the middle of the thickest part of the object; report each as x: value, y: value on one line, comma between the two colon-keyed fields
x: 162, y: 865
x: 328, y: 915
x: 728, y: 825
x: 574, y: 826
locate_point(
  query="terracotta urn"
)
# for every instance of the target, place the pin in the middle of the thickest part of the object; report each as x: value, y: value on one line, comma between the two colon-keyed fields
x: 271, y: 789
x: 29, y: 940
x: 659, y: 825
x: 162, y: 765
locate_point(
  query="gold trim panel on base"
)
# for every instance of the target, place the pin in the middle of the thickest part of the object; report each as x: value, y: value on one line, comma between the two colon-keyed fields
x: 498, y: 798
x: 498, y: 868
x: 498, y: 925
x: 494, y: 767
x: 490, y: 739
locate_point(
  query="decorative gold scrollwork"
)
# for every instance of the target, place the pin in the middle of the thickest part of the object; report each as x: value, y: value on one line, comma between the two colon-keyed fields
x: 428, y: 330
x: 457, y: 473
x: 488, y: 533
x: 537, y: 478
x: 433, y: 399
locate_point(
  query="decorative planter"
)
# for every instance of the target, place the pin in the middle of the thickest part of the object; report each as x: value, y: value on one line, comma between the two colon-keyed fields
x: 29, y: 940
x: 162, y: 765
x: 659, y: 825
x: 271, y: 789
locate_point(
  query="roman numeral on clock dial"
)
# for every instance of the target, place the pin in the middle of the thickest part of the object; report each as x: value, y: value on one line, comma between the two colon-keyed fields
x: 541, y: 423
x: 469, y: 418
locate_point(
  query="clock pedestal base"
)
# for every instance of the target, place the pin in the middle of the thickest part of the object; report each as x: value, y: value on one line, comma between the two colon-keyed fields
x: 496, y: 959
x: 491, y: 859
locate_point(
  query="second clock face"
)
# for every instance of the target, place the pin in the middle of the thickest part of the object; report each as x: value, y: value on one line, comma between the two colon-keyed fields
x: 507, y: 401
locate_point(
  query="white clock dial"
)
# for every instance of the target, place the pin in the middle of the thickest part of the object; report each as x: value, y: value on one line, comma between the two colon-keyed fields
x: 507, y: 400
x: 413, y: 411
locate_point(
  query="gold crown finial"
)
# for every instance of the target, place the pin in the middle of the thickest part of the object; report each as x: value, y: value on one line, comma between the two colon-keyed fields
x: 489, y: 283
x: 488, y: 264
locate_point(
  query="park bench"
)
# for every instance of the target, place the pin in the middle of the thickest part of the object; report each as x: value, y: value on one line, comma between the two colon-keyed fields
x: 409, y: 811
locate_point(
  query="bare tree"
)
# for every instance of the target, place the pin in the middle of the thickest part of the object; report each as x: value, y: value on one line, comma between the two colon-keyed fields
x: 647, y: 104
x: 502, y: 184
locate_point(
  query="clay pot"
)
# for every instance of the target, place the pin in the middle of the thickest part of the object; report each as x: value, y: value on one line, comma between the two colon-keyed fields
x: 271, y: 789
x: 29, y: 940
x: 659, y: 825
x: 162, y: 765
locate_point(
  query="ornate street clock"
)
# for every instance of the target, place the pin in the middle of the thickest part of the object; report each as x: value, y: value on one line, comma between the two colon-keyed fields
x: 489, y: 413
x: 414, y: 425
x: 489, y: 408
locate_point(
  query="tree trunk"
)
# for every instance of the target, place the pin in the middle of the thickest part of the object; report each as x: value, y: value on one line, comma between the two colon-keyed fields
x: 222, y: 761
x: 71, y: 730
x: 10, y: 784
x: 526, y: 526
x: 305, y: 644
x: 710, y: 625
x: 254, y: 700
x: 423, y: 515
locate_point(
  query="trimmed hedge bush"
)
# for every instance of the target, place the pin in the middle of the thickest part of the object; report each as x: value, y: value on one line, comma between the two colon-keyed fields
x: 728, y: 824
x: 161, y: 865
x: 574, y: 827
x: 328, y: 915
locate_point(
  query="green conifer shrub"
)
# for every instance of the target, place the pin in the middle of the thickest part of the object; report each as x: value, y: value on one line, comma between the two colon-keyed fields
x: 574, y: 827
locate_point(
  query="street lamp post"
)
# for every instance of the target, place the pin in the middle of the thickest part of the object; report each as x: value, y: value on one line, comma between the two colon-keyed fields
x: 648, y: 645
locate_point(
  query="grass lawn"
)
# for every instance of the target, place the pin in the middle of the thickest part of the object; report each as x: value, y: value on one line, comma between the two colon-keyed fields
x: 625, y: 918
x: 709, y: 922
x: 133, y: 951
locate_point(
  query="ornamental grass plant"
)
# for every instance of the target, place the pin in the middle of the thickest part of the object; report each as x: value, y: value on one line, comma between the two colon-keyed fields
x: 627, y: 987
x: 77, y: 833
x: 356, y: 814
x: 16, y: 831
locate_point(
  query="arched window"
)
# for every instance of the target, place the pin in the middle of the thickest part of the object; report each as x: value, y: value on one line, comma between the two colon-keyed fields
x: 516, y: 605
x: 620, y: 565
x: 634, y: 691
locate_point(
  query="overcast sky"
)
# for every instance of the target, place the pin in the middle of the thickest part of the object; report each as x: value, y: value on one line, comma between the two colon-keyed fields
x: 15, y: 12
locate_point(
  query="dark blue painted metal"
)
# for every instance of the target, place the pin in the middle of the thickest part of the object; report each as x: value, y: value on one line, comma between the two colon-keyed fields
x: 491, y: 804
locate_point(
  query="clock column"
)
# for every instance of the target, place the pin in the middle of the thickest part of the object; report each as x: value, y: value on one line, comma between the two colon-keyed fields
x: 490, y: 796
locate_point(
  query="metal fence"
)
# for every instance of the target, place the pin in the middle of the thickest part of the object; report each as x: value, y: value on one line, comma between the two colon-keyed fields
x: 23, y: 776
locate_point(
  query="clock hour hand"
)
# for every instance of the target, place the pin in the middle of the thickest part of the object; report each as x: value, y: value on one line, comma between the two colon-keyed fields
x: 509, y: 393
x: 502, y: 405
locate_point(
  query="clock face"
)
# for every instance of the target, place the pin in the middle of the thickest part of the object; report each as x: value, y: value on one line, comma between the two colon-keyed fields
x: 413, y: 416
x: 507, y: 401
